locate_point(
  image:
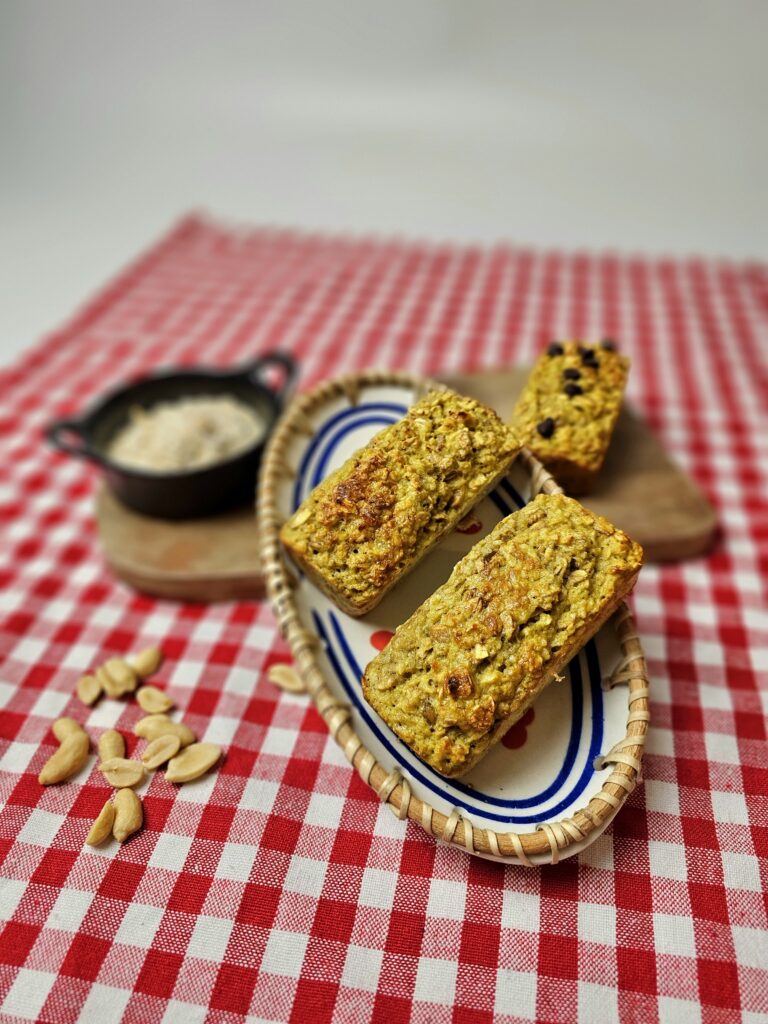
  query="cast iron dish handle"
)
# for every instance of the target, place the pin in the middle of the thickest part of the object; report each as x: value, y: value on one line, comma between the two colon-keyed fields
x: 252, y: 371
x: 289, y: 366
x: 56, y: 433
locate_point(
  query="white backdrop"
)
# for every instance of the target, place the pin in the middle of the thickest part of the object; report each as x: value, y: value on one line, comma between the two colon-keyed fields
x: 592, y: 123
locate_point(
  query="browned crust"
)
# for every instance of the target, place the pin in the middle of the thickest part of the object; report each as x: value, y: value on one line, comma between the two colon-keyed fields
x: 544, y: 844
x: 476, y: 742
x: 356, y: 610
x: 554, y: 668
x: 502, y: 455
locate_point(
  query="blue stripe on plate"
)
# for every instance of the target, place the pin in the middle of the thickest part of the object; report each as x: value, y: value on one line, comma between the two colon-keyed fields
x: 440, y: 785
x: 341, y: 424
x: 341, y: 417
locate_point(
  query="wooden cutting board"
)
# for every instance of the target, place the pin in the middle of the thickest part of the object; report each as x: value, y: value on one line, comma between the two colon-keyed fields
x: 640, y: 489
x: 214, y: 559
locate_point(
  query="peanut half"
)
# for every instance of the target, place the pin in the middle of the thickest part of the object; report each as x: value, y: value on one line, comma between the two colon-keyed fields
x: 152, y: 700
x: 68, y: 759
x: 147, y: 662
x: 287, y: 678
x: 111, y: 744
x: 123, y: 677
x: 108, y: 684
x: 152, y: 726
x: 121, y: 772
x: 101, y: 829
x: 129, y: 815
x: 192, y: 762
x: 89, y: 689
x: 64, y: 727
x: 161, y: 750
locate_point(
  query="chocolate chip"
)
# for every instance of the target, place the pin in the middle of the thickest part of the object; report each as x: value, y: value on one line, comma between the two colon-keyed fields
x: 608, y: 344
x: 573, y: 565
x: 555, y: 349
x: 547, y: 427
x: 589, y: 358
x: 572, y: 373
x: 573, y: 389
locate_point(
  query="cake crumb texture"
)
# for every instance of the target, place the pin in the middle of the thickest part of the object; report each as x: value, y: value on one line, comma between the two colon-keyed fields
x: 474, y: 656
x: 568, y: 409
x: 368, y: 523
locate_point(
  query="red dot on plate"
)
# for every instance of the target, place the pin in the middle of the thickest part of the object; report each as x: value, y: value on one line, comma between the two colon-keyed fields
x: 381, y: 638
x: 469, y: 524
x: 518, y: 734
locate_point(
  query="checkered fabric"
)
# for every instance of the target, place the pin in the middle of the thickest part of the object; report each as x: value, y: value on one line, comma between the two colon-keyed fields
x: 279, y: 888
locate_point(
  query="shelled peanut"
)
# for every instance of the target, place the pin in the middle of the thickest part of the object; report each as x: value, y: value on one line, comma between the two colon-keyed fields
x: 193, y: 761
x: 101, y: 829
x: 111, y: 744
x: 153, y: 701
x: 72, y: 755
x: 120, y: 676
x: 170, y: 743
x: 129, y: 815
x: 160, y: 750
x: 152, y: 726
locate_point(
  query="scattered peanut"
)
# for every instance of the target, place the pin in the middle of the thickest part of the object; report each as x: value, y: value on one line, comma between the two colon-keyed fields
x: 122, y: 675
x: 111, y: 744
x: 108, y: 684
x: 101, y: 829
x: 192, y: 762
x: 147, y: 662
x: 161, y: 750
x: 89, y: 689
x: 152, y: 700
x: 152, y: 726
x: 169, y: 742
x: 68, y: 759
x: 287, y: 678
x: 64, y: 727
x: 121, y: 772
x: 129, y: 815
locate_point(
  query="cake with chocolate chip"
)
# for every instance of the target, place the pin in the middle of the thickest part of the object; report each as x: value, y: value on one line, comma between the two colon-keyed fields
x: 569, y: 407
x: 518, y: 606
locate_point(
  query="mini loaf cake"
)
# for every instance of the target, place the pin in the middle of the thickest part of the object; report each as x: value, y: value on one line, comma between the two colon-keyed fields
x: 515, y: 610
x: 372, y: 520
x: 569, y: 407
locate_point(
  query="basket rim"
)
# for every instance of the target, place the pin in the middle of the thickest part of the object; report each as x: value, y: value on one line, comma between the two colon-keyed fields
x: 551, y: 839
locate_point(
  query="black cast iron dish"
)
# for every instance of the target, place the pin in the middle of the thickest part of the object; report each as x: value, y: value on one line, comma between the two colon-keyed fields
x: 186, y: 493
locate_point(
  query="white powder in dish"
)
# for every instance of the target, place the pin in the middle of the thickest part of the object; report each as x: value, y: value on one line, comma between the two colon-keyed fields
x: 187, y: 434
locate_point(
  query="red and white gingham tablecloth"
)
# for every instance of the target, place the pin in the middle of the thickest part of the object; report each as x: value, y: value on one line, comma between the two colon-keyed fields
x: 281, y: 889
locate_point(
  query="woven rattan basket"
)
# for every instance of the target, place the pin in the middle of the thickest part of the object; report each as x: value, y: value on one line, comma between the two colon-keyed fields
x: 552, y: 839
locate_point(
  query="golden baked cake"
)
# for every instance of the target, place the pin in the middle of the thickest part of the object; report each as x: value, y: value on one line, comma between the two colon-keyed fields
x: 569, y: 407
x: 471, y: 660
x: 372, y: 520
